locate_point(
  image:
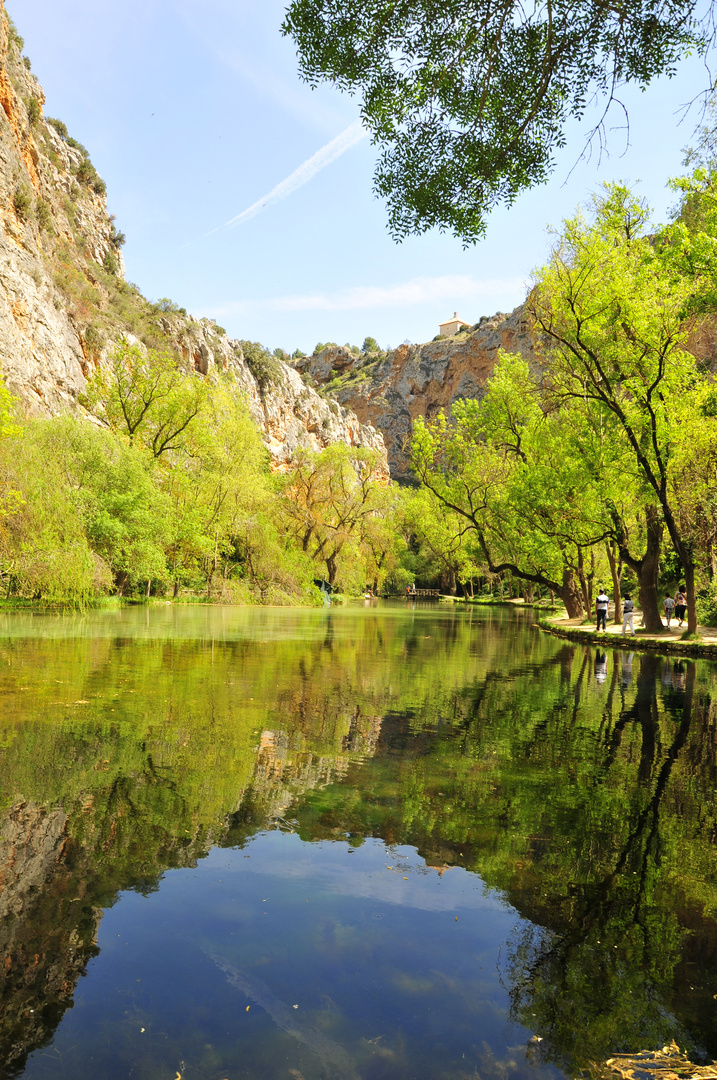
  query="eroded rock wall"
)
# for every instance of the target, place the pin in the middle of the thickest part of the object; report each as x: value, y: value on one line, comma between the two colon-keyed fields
x: 417, y: 380
x: 64, y: 301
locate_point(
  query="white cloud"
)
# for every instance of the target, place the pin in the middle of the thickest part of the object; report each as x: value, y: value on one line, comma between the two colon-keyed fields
x: 353, y: 134
x: 452, y: 288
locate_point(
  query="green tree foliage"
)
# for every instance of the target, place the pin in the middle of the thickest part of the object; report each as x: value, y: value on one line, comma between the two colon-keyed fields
x: 145, y: 394
x: 613, y: 312
x: 503, y: 466
x: 469, y: 102
x: 332, y: 505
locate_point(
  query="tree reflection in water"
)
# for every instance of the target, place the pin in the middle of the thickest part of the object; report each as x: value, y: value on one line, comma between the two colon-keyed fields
x: 581, y: 787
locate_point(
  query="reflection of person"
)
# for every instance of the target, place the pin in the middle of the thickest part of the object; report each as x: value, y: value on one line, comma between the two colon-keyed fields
x: 667, y: 674
x: 600, y: 666
x: 601, y: 606
x: 678, y: 675
x: 669, y: 605
x: 680, y: 604
x: 627, y: 659
x: 628, y: 610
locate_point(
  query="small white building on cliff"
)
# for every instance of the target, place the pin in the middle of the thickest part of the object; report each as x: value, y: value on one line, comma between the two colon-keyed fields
x: 452, y: 326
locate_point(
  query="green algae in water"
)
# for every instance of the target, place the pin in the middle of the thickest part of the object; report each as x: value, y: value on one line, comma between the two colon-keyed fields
x: 371, y: 842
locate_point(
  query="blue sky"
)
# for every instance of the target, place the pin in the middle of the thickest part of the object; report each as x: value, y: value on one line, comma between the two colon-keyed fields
x: 193, y: 113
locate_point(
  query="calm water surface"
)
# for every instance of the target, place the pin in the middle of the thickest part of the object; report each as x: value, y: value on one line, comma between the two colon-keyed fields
x: 378, y: 843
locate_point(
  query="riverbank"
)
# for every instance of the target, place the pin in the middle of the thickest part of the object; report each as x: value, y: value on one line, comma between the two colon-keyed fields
x: 670, y: 641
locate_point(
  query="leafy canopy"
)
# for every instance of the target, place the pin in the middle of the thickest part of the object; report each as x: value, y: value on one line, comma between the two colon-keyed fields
x: 469, y: 101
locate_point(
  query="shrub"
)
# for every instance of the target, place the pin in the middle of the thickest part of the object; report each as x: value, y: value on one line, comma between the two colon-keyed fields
x: 13, y: 34
x: 77, y: 146
x: 264, y: 367
x: 22, y: 201
x: 58, y: 125
x: 33, y: 110
x: 111, y: 263
x: 94, y: 340
x: 707, y: 607
x: 27, y: 63
x: 167, y: 306
x: 44, y: 215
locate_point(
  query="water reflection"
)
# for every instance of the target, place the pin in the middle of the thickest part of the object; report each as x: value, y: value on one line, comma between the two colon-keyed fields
x: 576, y: 785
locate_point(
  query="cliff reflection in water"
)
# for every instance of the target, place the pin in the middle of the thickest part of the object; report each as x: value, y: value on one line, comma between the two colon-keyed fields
x: 580, y: 785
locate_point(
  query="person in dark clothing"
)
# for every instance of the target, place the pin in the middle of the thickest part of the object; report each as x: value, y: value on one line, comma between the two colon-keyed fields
x: 601, y: 606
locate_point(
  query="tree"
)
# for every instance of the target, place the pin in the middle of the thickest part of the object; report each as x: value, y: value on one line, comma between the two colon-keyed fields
x: 113, y: 487
x: 329, y: 500
x: 146, y: 394
x: 469, y: 101
x: 443, y: 541
x: 504, y: 467
x: 613, y: 312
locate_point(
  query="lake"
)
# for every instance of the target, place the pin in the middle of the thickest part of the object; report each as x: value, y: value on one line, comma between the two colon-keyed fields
x: 383, y: 842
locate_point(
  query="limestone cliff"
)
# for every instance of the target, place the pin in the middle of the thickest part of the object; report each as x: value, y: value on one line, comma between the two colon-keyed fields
x: 389, y: 391
x: 64, y: 299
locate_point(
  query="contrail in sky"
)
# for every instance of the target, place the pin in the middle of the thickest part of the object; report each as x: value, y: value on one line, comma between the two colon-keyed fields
x: 353, y: 134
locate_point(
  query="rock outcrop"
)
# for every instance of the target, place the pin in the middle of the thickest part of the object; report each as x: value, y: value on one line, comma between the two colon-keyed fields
x: 64, y: 300
x: 390, y: 391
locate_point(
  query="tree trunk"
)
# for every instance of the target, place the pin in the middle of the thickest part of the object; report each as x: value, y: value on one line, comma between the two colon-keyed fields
x: 149, y: 588
x: 175, y: 590
x: 569, y: 593
x: 583, y: 583
x: 647, y: 570
x: 613, y: 557
x: 691, y: 598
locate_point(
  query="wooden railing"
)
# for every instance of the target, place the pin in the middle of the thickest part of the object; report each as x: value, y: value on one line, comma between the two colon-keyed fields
x: 419, y: 594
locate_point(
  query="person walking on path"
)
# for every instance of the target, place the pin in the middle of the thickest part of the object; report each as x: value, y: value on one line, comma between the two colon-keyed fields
x: 601, y: 606
x: 680, y: 604
x: 628, y: 609
x: 669, y: 605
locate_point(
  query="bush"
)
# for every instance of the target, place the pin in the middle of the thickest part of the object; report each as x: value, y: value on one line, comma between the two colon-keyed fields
x: 33, y: 110
x: 707, y: 607
x: 22, y: 201
x: 264, y: 367
x: 27, y: 63
x: 44, y: 215
x: 58, y: 125
x: 111, y: 263
x: 77, y: 146
x: 167, y: 306
x: 94, y: 340
x: 13, y: 34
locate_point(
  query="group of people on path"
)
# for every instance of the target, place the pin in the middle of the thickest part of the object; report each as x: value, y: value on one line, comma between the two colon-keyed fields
x: 676, y: 606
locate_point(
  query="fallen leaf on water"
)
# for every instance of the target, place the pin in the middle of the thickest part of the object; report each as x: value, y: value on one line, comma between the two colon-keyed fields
x: 248, y: 1007
x: 295, y: 1006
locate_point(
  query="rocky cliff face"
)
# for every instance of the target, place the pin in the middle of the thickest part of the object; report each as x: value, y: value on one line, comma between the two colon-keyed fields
x: 390, y: 391
x: 64, y: 300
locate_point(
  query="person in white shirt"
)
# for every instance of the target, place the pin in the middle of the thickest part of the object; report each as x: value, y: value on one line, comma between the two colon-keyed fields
x: 601, y: 605
x: 628, y: 609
